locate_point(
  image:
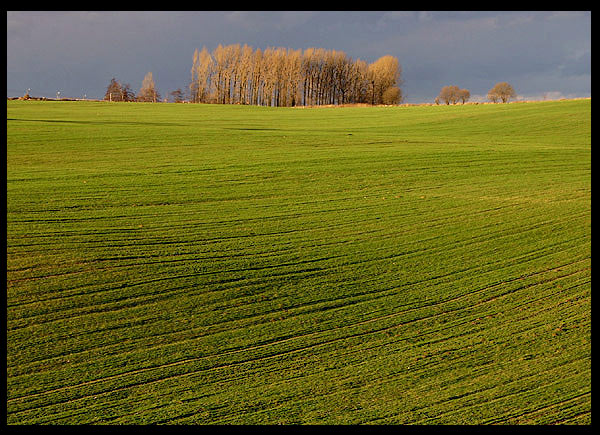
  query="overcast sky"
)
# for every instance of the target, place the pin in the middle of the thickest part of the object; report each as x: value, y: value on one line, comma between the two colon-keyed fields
x: 539, y: 53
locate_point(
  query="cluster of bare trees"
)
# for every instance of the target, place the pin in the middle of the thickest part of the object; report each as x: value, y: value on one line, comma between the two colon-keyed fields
x: 235, y: 74
x: 452, y: 95
x: 118, y: 92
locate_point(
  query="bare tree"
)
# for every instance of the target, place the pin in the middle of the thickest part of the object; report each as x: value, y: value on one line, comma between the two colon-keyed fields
x: 501, y: 91
x: 279, y: 83
x: 464, y: 95
x: 342, y: 77
x: 306, y: 67
x: 204, y: 73
x: 194, y: 85
x: 360, y: 82
x: 220, y: 64
x: 202, y: 69
x: 257, y: 77
x: 269, y: 76
x: 245, y: 72
x: 148, y: 91
x: 294, y: 69
x: 232, y: 72
x: 317, y: 76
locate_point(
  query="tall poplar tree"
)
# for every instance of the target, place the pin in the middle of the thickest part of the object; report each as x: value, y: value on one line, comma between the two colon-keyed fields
x: 148, y: 92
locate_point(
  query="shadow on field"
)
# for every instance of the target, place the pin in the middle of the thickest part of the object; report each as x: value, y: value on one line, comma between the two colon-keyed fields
x: 96, y: 122
x: 250, y: 128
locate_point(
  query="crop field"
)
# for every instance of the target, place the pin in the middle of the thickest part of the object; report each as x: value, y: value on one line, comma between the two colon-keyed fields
x: 216, y: 264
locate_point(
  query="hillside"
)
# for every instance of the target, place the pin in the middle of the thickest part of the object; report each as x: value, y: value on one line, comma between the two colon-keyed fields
x: 191, y: 263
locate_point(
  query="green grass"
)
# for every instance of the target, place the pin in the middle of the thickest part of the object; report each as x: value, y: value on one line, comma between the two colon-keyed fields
x: 230, y: 264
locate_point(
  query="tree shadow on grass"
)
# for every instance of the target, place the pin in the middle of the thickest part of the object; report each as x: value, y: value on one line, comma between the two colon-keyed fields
x: 251, y: 128
x: 98, y: 122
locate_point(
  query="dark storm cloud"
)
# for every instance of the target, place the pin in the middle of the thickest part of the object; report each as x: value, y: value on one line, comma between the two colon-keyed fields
x: 79, y: 52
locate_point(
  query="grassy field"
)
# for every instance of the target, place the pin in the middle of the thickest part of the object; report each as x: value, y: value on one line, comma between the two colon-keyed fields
x: 230, y: 264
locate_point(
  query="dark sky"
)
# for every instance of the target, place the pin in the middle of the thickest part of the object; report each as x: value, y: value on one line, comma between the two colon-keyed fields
x: 542, y: 54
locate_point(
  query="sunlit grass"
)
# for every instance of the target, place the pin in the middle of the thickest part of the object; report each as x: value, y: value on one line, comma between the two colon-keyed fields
x: 178, y: 263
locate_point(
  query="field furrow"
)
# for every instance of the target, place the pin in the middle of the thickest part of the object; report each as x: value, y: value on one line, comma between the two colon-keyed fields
x: 198, y: 264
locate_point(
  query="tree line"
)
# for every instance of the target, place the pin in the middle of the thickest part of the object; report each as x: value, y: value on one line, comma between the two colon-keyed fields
x: 281, y: 77
x: 235, y: 74
x: 284, y: 77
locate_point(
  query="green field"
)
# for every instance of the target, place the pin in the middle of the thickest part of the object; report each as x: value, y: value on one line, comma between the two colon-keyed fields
x: 213, y: 264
